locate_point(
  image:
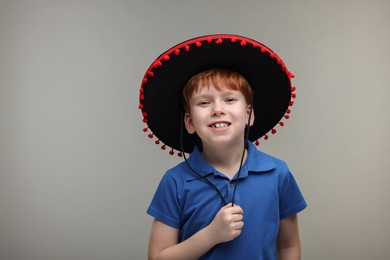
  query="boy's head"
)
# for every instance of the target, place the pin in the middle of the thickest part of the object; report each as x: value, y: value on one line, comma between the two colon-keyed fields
x: 219, y: 79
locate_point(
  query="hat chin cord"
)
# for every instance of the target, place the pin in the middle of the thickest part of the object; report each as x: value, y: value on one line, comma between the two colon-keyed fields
x: 203, y: 177
x: 192, y: 169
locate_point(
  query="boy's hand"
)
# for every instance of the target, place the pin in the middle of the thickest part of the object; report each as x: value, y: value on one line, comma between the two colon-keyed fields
x: 227, y: 224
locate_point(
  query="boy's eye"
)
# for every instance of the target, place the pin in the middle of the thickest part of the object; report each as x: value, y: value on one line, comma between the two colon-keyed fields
x: 203, y: 102
x: 230, y: 99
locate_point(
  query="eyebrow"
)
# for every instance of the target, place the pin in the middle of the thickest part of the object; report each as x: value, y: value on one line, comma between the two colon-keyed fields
x: 224, y: 91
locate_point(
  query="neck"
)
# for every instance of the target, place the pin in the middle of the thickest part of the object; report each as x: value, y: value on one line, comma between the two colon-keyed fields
x: 225, y: 159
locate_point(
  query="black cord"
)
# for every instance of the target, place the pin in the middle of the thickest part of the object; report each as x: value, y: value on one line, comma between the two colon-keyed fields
x: 192, y: 169
x: 203, y: 177
x: 242, y: 157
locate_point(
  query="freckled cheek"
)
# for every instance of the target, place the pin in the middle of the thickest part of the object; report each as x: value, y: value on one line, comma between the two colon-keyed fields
x: 198, y: 116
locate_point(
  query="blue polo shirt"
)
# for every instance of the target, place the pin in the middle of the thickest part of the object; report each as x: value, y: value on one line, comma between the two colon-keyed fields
x: 266, y: 191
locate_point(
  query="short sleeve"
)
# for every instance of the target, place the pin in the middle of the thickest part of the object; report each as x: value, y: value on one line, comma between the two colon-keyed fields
x: 165, y: 205
x: 291, y: 200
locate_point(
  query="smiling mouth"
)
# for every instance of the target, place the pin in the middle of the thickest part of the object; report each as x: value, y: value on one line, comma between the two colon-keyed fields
x: 219, y: 125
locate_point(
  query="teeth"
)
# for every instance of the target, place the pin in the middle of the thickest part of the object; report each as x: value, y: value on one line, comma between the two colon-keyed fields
x: 220, y: 125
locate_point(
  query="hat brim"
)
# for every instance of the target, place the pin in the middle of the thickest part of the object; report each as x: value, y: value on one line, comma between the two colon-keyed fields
x: 161, y: 90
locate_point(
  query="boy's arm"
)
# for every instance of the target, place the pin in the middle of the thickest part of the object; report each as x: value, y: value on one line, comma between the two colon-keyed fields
x: 288, y: 244
x: 164, y: 244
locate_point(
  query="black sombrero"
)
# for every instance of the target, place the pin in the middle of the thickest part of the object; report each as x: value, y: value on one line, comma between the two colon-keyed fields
x: 161, y: 89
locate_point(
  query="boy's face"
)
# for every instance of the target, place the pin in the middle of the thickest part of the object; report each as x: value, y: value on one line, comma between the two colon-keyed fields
x: 217, y: 116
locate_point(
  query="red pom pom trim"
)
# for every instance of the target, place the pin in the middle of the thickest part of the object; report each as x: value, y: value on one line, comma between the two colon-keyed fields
x: 157, y: 64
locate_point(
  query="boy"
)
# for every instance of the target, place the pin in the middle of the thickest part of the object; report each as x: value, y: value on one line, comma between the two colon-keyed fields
x: 258, y: 221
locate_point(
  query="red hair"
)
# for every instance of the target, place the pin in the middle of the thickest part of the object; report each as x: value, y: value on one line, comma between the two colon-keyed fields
x: 219, y: 79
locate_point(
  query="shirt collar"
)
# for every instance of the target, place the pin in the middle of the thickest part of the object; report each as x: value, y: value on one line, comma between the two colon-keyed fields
x: 256, y: 161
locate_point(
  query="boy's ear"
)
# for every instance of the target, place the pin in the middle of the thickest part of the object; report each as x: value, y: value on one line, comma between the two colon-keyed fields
x: 249, y: 111
x: 188, y: 123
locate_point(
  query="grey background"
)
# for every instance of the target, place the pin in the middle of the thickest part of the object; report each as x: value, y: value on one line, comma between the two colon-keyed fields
x: 77, y: 172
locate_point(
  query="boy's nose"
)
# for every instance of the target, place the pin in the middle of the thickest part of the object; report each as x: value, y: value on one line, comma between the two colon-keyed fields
x: 218, y: 109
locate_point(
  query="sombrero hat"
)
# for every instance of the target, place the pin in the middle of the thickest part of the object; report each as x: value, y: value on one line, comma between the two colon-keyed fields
x: 161, y: 89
